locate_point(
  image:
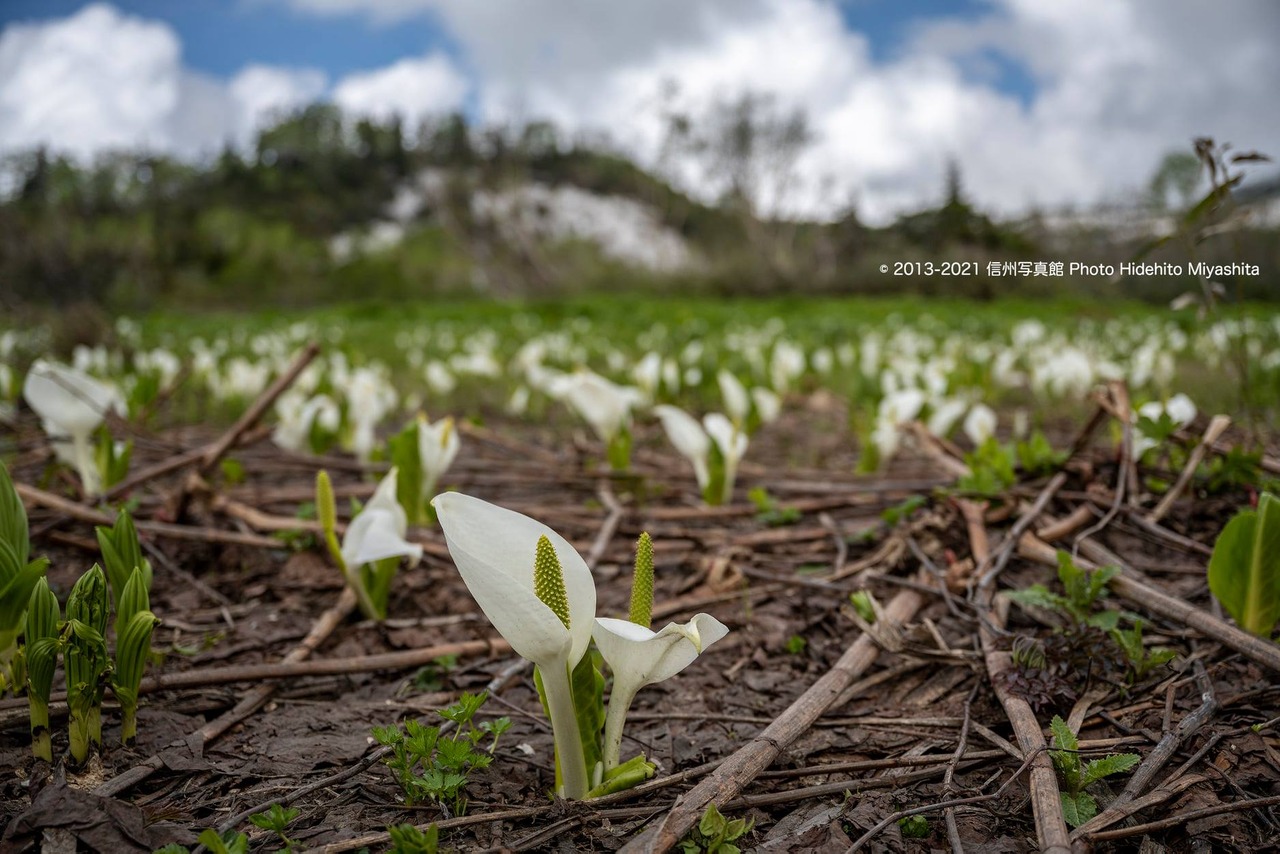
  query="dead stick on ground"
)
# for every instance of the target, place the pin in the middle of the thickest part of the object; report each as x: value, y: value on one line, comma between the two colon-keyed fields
x: 1157, y: 758
x: 1046, y: 805
x: 1158, y: 602
x: 742, y: 767
x: 254, y: 700
x: 1217, y: 426
x: 991, y: 567
x: 38, y: 497
x: 205, y: 677
x: 1183, y: 818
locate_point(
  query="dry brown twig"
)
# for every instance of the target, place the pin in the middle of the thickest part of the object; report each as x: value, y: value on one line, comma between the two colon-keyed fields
x: 1046, y: 805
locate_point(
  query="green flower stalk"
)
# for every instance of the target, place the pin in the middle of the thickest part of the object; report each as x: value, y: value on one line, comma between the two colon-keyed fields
x: 86, y: 659
x: 134, y: 625
x: 642, y: 583
x: 41, y: 633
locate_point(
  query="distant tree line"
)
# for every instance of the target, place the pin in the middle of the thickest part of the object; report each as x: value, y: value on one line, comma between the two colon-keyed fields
x: 252, y: 228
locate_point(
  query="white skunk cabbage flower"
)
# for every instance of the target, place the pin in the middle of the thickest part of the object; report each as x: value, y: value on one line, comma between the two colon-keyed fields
x: 732, y: 442
x: 737, y: 404
x: 378, y: 530
x: 895, y: 409
x: 768, y: 404
x: 647, y: 374
x: 980, y: 423
x: 438, y: 445
x: 547, y: 616
x: 369, y: 398
x: 690, y: 439
x: 639, y: 656
x: 71, y: 404
x: 944, y: 416
x: 604, y: 405
x: 298, y: 413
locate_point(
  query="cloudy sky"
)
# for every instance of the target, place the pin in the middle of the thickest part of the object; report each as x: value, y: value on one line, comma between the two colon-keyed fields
x: 1041, y: 102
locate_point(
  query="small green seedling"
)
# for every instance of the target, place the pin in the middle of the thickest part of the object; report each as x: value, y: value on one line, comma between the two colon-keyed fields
x: 902, y: 511
x: 430, y: 677
x: 276, y: 820
x: 1244, y: 570
x: 1084, y: 589
x: 1037, y: 457
x: 1078, y: 806
x: 431, y: 764
x: 407, y: 839
x: 1142, y: 660
x: 231, y: 842
x: 864, y: 605
x: 914, y: 827
x: 795, y: 645
x: 716, y: 834
x: 991, y: 470
x: 769, y: 511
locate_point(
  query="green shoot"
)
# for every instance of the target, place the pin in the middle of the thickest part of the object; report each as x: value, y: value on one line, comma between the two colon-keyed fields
x: 276, y: 820
x: 990, y: 470
x: 112, y: 458
x: 716, y: 834
x: 902, y: 511
x: 1084, y: 590
x: 41, y: 635
x: 407, y: 839
x: 1078, y: 806
x: 121, y: 554
x: 86, y: 660
x: 231, y: 842
x: 431, y: 764
x: 17, y: 579
x: 1037, y: 457
x: 1244, y: 570
x: 1142, y: 660
x: 914, y: 827
x: 134, y: 625
x: 769, y: 511
x: 795, y: 645
x: 403, y: 451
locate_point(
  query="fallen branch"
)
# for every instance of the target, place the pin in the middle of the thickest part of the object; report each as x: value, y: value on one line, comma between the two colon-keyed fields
x: 741, y: 768
x: 1046, y: 803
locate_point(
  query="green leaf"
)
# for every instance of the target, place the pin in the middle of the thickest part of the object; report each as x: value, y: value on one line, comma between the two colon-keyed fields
x: 13, y: 518
x: 1038, y: 596
x: 1078, y: 808
x: 405, y: 456
x: 1116, y: 763
x: 1244, y: 571
x: 1063, y: 737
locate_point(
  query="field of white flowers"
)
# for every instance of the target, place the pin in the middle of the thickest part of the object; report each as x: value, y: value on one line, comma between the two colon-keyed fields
x: 366, y: 578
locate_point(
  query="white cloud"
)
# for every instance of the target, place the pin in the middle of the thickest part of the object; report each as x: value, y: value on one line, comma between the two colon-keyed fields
x: 101, y: 80
x: 410, y: 88
x: 1116, y: 84
x: 95, y: 80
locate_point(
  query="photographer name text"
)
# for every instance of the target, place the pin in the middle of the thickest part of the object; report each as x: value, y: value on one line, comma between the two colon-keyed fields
x: 1069, y: 268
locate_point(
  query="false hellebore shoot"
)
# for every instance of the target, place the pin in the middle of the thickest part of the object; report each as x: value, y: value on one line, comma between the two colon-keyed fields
x: 373, y: 544
x: 540, y: 595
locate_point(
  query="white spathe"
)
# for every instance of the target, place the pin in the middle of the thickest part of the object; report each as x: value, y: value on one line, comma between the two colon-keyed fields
x: 378, y: 530
x: 639, y: 656
x: 690, y: 439
x: 71, y: 404
x: 736, y: 402
x: 603, y: 404
x: 980, y: 423
x: 495, y: 550
x: 438, y: 446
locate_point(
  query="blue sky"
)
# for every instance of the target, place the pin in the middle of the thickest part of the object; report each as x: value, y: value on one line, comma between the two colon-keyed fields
x: 1041, y: 103
x: 222, y: 36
